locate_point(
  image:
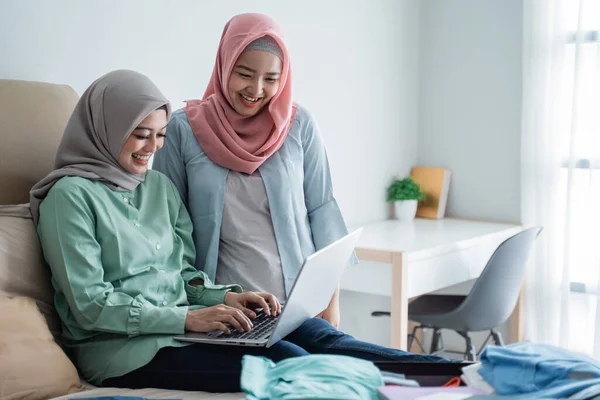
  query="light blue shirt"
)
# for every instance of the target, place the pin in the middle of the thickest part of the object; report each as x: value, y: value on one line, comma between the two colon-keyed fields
x: 304, y: 212
x: 540, y: 370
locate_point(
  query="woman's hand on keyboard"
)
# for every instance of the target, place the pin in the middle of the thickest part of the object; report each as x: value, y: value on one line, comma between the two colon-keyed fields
x: 249, y: 301
x: 215, y: 318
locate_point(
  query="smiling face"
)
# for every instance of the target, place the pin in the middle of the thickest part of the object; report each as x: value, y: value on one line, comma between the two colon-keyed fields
x: 254, y: 81
x: 145, y: 140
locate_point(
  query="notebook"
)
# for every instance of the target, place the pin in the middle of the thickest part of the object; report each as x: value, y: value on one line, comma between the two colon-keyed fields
x: 435, y: 182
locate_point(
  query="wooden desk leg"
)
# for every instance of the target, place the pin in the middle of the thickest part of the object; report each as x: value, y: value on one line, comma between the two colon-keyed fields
x: 517, y: 319
x: 399, y: 302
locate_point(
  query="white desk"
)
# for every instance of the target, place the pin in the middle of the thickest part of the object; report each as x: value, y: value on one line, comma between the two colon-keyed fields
x: 423, y: 256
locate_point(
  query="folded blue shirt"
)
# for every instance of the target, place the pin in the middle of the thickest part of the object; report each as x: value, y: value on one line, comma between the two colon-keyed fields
x: 317, y: 377
x: 539, y: 370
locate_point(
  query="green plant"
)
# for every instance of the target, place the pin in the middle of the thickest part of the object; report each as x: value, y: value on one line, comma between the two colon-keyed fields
x: 404, y: 189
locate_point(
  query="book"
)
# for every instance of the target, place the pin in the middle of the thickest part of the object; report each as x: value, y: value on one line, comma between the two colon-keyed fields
x: 435, y: 182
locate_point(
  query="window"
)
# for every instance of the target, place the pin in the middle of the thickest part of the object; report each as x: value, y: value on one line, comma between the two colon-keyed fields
x: 581, y: 185
x: 580, y: 173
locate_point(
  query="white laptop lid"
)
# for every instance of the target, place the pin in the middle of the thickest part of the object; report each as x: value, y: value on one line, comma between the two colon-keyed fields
x: 316, y: 282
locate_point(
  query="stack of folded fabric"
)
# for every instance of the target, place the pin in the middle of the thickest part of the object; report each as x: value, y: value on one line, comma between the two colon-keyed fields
x: 522, y: 370
x: 536, y: 370
x: 332, y: 377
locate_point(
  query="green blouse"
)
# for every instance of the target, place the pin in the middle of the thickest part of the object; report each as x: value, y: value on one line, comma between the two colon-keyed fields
x: 121, y: 265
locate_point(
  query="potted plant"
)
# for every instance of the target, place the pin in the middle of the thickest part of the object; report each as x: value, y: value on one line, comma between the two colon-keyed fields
x: 405, y: 194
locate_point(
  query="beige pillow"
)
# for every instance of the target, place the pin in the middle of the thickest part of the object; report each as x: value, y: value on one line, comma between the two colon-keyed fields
x: 23, y: 271
x: 33, y: 116
x: 32, y: 365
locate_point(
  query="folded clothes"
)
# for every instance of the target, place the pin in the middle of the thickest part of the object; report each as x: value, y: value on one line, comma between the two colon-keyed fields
x: 316, y: 377
x: 539, y: 370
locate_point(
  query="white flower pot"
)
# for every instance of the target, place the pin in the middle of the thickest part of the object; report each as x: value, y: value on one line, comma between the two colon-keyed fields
x: 405, y: 210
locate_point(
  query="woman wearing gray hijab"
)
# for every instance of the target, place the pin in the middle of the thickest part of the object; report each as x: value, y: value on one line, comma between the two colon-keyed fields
x: 119, y: 243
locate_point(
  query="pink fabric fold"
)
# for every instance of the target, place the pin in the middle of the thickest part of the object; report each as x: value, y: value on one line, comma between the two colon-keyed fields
x: 229, y: 139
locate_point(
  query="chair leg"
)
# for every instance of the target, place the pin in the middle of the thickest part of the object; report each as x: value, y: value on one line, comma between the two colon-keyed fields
x: 411, y: 337
x: 470, y: 352
x: 435, y: 340
x: 497, y: 338
x: 482, y: 348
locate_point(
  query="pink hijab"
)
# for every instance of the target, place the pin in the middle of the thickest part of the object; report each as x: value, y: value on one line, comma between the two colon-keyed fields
x: 229, y: 139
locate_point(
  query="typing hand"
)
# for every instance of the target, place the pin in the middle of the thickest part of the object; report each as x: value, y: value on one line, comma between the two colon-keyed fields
x: 248, y: 301
x: 220, y: 317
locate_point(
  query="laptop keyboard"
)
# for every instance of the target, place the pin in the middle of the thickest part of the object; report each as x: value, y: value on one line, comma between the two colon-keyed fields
x: 263, y: 324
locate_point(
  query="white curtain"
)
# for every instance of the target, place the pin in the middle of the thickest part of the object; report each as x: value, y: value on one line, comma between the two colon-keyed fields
x: 560, y: 182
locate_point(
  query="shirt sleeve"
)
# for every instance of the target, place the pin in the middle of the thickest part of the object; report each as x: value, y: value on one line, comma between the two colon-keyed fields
x: 170, y: 159
x: 67, y: 234
x: 206, y: 293
x: 326, y: 221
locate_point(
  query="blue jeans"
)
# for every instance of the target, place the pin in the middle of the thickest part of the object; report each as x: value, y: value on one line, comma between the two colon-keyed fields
x: 216, y: 368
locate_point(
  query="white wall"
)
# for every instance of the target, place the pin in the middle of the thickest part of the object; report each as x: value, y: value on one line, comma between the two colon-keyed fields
x: 470, y: 102
x: 353, y: 62
x: 470, y: 109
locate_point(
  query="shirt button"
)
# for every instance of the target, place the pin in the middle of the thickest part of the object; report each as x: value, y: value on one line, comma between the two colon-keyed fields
x: 158, y: 247
x: 137, y: 224
x: 164, y: 303
x: 162, y: 271
x: 125, y: 199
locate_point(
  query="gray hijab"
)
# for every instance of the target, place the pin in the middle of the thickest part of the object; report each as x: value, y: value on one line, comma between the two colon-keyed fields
x: 104, y: 117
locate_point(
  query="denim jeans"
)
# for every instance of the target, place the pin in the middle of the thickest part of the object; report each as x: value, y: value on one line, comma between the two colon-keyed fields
x: 217, y: 368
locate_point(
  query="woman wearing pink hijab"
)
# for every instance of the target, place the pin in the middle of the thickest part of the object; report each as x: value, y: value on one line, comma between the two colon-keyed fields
x: 251, y: 167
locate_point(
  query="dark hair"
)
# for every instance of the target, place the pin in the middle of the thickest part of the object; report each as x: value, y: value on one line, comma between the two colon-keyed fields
x: 164, y: 107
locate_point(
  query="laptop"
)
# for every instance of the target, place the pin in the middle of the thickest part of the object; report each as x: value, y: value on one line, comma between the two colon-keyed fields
x: 316, y: 282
